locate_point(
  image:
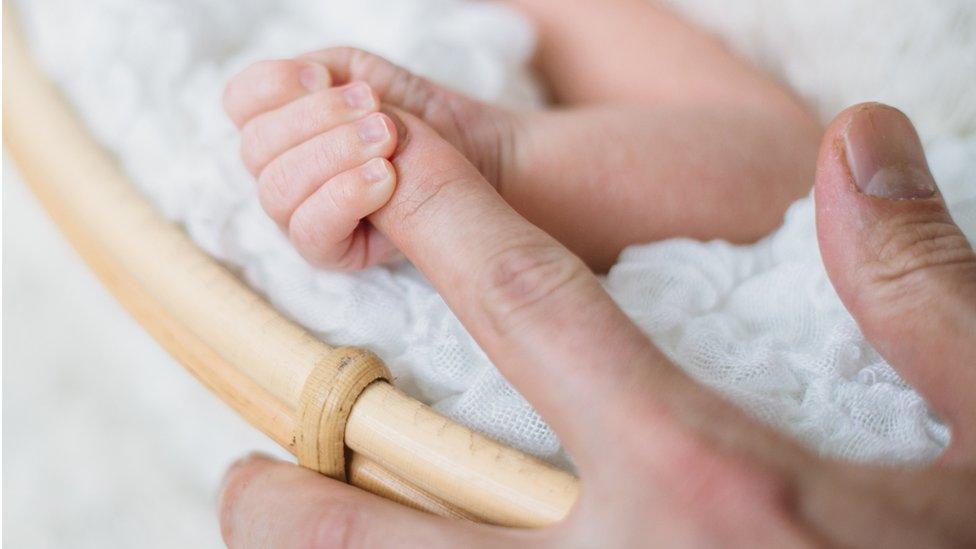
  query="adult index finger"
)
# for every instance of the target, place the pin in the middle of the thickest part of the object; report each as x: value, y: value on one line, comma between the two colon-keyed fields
x: 535, y: 308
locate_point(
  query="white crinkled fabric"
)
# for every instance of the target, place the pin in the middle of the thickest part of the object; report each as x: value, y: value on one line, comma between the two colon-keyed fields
x: 759, y: 323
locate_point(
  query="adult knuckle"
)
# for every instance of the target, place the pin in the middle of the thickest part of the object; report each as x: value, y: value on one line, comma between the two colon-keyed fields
x: 524, y: 278
x: 914, y: 250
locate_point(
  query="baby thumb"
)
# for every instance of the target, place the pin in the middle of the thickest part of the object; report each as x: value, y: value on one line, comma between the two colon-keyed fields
x: 898, y: 261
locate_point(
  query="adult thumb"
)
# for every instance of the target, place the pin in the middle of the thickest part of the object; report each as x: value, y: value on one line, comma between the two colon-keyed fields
x: 898, y: 261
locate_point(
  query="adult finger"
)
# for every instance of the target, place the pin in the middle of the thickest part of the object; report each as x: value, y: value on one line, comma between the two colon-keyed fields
x: 899, y: 263
x: 267, y: 85
x: 270, y: 503
x: 535, y: 308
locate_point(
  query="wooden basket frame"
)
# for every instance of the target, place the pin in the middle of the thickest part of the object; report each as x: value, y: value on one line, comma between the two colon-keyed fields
x: 236, y: 344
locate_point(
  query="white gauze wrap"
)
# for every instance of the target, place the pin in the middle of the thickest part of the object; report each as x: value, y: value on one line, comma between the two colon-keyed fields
x: 761, y: 323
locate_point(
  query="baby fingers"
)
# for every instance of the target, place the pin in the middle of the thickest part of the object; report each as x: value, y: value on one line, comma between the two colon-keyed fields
x: 269, y: 134
x: 267, y: 85
x: 293, y: 176
x: 319, y: 154
x: 326, y: 228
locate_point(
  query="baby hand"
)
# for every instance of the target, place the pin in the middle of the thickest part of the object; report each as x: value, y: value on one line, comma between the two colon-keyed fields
x: 320, y: 157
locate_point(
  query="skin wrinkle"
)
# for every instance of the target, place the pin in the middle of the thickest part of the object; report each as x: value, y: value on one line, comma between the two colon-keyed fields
x: 915, y: 243
x: 892, y: 239
x: 418, y: 198
x: 521, y: 278
x: 416, y: 206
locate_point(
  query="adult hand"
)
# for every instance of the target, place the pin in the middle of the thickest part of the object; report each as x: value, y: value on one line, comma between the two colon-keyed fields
x: 662, y: 460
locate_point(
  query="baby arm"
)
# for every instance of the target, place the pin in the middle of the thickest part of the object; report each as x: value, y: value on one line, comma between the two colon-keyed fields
x: 679, y: 137
x: 662, y: 133
x: 602, y: 177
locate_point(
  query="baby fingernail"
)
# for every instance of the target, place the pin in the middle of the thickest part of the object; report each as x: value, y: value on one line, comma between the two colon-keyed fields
x: 373, y: 129
x: 885, y: 156
x: 313, y: 76
x: 376, y: 170
x: 358, y: 96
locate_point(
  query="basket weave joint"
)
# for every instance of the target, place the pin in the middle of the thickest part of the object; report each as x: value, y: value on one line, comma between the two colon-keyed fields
x: 329, y: 393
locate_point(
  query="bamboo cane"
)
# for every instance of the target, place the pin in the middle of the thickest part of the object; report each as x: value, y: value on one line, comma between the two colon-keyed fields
x: 235, y: 343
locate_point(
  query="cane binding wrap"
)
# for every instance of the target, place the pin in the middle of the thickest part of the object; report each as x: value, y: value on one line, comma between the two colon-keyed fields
x: 328, y: 396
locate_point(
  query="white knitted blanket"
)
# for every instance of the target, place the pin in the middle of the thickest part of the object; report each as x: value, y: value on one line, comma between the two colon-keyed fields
x: 759, y: 323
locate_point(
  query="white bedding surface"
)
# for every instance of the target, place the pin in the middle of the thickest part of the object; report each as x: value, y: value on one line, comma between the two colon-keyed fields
x: 760, y: 323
